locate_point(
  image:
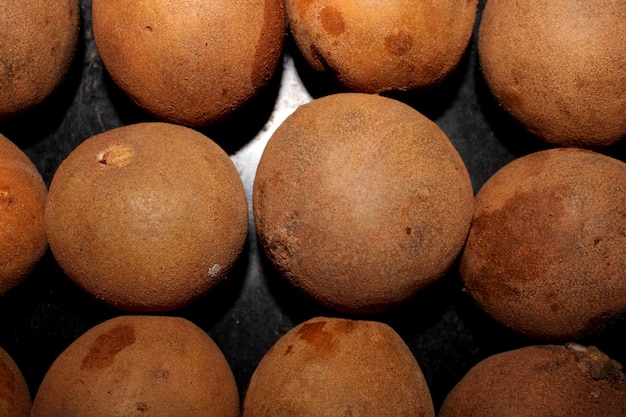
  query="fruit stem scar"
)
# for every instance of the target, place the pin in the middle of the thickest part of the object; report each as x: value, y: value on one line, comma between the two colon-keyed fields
x: 117, y: 156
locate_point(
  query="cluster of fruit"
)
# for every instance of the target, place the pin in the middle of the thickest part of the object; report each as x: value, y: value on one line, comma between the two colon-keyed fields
x: 359, y: 201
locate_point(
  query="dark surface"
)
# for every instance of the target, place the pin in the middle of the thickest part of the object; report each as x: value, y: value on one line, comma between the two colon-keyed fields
x: 254, y: 307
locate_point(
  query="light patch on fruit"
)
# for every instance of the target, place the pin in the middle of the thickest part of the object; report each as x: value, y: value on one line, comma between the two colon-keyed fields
x: 117, y: 156
x: 215, y: 269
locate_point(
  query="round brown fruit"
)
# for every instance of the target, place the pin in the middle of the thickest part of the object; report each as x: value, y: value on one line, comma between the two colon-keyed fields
x: 360, y: 201
x: 546, y: 252
x: 190, y: 62
x: 557, y: 66
x: 338, y: 367
x: 139, y: 365
x: 374, y: 47
x: 15, y: 400
x: 22, y: 200
x: 147, y: 217
x: 540, y: 381
x: 38, y: 40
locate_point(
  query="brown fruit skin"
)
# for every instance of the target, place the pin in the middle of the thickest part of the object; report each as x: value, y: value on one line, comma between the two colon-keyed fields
x: 15, y: 399
x: 360, y: 201
x: 190, y: 62
x: 540, y: 381
x: 375, y: 47
x: 147, y: 217
x: 338, y: 367
x: 23, y: 195
x: 139, y: 365
x: 38, y: 40
x: 546, y: 252
x: 557, y: 66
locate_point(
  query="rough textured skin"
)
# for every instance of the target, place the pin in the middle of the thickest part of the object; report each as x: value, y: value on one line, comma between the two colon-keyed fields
x: 15, y: 400
x: 375, y: 47
x: 360, y: 201
x: 155, y: 366
x: 22, y: 200
x: 338, y: 367
x: 557, y: 66
x: 541, y: 381
x: 147, y: 217
x: 38, y: 40
x: 191, y: 62
x: 546, y: 254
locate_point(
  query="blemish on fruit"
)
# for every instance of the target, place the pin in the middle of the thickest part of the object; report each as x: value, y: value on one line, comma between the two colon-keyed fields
x: 118, y: 156
x: 161, y: 373
x: 399, y: 43
x: 103, y: 351
x: 332, y: 21
x: 315, y: 335
x: 215, y: 269
x: 6, y: 197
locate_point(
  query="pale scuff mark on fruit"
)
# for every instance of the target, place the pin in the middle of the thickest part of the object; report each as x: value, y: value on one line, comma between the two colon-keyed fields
x: 215, y: 269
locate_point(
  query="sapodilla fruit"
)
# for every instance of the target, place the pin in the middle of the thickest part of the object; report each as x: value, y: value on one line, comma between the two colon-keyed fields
x: 147, y: 217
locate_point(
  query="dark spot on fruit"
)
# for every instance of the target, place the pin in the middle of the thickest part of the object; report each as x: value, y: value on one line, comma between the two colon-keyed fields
x: 9, y: 72
x: 408, y: 231
x: 399, y: 44
x: 526, y: 224
x: 332, y: 21
x: 103, y: 351
x: 262, y: 66
x: 288, y: 350
x: 142, y: 407
x: 6, y: 197
x: 315, y: 335
x: 161, y: 373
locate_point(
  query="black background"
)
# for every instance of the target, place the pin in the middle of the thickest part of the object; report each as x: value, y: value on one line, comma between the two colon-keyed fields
x: 254, y: 307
